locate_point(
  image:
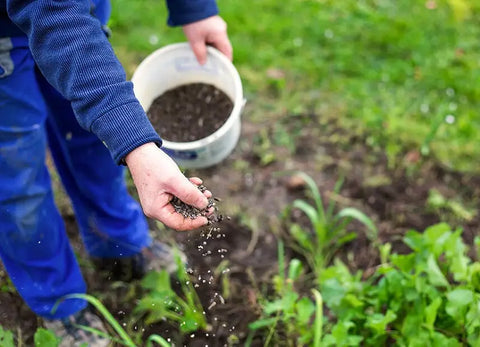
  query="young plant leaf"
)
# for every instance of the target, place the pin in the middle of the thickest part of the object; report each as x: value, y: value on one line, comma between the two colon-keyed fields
x: 6, y: 338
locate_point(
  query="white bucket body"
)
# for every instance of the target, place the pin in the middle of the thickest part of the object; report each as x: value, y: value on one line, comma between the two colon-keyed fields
x: 176, y: 65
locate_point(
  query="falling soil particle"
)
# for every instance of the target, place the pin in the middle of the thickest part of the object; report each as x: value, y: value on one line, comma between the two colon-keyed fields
x: 189, y: 112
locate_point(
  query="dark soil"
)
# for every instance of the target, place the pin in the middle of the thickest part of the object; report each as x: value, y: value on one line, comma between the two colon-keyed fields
x: 190, y: 112
x: 255, y: 193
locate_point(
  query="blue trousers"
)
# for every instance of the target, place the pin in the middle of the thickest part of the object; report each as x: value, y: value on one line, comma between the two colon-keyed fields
x: 34, y: 247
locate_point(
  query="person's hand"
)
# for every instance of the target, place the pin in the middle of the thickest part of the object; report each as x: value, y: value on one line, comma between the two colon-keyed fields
x: 211, y: 31
x: 157, y: 179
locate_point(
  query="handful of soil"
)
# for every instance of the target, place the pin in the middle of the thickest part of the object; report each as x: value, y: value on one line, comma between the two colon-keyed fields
x: 189, y: 112
x: 191, y: 212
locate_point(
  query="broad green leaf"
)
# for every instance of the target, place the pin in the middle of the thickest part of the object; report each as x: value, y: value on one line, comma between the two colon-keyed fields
x: 456, y: 254
x: 431, y: 313
x: 353, y: 300
x: 405, y: 263
x: 286, y: 304
x: 474, y: 271
x: 157, y: 281
x: 332, y: 292
x: 473, y: 317
x: 440, y: 340
x: 305, y: 309
x: 192, y: 321
x: 45, y: 338
x: 414, y: 240
x: 340, y: 272
x: 378, y: 322
x: 412, y: 323
x: 457, y: 302
x: 437, y: 236
x: 434, y: 273
x: 6, y: 338
x: 342, y: 336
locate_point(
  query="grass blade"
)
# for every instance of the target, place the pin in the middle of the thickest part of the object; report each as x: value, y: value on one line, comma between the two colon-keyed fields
x: 331, y: 204
x: 106, y: 314
x: 312, y: 186
x: 158, y: 339
x: 362, y: 218
x: 308, y: 210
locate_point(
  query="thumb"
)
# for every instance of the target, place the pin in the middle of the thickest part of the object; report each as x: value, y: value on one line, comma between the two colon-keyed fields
x: 200, y: 50
x: 189, y: 193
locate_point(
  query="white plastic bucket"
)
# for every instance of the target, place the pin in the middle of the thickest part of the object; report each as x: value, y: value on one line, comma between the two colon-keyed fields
x: 176, y: 65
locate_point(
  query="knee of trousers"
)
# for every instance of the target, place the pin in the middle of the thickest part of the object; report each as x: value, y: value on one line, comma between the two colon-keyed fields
x: 25, y: 189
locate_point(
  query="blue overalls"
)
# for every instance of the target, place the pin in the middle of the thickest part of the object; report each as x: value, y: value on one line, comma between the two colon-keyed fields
x: 34, y: 246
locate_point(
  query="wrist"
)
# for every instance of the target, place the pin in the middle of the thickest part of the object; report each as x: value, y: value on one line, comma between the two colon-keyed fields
x: 140, y: 152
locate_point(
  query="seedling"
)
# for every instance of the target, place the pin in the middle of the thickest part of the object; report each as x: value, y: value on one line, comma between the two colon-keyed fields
x: 329, y: 230
x: 289, y: 312
x: 162, y: 302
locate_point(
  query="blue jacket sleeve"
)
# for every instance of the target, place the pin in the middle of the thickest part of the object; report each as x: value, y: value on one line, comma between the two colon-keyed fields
x: 183, y: 12
x: 74, y: 55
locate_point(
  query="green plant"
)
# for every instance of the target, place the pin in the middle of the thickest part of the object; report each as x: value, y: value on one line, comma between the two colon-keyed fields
x: 329, y: 228
x: 437, y: 202
x: 6, y: 338
x: 427, y: 297
x: 289, y: 312
x: 162, y: 302
x: 123, y: 339
x: 45, y: 338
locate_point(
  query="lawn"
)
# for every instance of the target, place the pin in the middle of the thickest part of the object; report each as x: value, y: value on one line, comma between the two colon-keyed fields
x: 407, y: 73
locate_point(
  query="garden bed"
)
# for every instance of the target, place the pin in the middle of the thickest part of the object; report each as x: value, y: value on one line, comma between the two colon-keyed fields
x: 256, y: 184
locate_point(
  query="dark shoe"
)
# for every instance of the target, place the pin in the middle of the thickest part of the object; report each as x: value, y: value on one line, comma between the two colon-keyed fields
x: 71, y: 333
x: 156, y: 257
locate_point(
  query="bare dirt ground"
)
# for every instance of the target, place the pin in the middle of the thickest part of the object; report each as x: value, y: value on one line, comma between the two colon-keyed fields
x: 256, y: 184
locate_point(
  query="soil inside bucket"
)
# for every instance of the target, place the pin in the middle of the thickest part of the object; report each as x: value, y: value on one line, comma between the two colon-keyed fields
x: 189, y: 112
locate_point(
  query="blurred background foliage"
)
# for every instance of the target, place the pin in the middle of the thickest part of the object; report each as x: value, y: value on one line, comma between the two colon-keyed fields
x: 404, y: 73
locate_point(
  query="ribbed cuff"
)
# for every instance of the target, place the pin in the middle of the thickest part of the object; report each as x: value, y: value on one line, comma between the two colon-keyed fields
x: 123, y: 129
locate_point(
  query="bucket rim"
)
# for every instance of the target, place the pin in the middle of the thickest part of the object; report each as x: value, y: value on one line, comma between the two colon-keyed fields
x: 238, y: 102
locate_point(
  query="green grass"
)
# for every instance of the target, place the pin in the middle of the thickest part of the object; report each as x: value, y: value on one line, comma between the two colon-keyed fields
x: 395, y: 69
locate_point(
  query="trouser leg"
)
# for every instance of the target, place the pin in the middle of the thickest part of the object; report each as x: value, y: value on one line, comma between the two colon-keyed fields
x: 111, y: 222
x: 34, y: 247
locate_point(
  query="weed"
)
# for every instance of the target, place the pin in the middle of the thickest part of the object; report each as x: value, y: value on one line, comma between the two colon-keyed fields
x: 289, y: 313
x: 124, y: 337
x: 6, y: 338
x: 162, y: 302
x: 329, y: 229
x: 427, y: 297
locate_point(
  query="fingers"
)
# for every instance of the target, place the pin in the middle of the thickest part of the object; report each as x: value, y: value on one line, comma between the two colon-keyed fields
x: 200, y: 50
x: 188, y: 192
x: 197, y: 181
x: 222, y: 43
x: 178, y: 222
